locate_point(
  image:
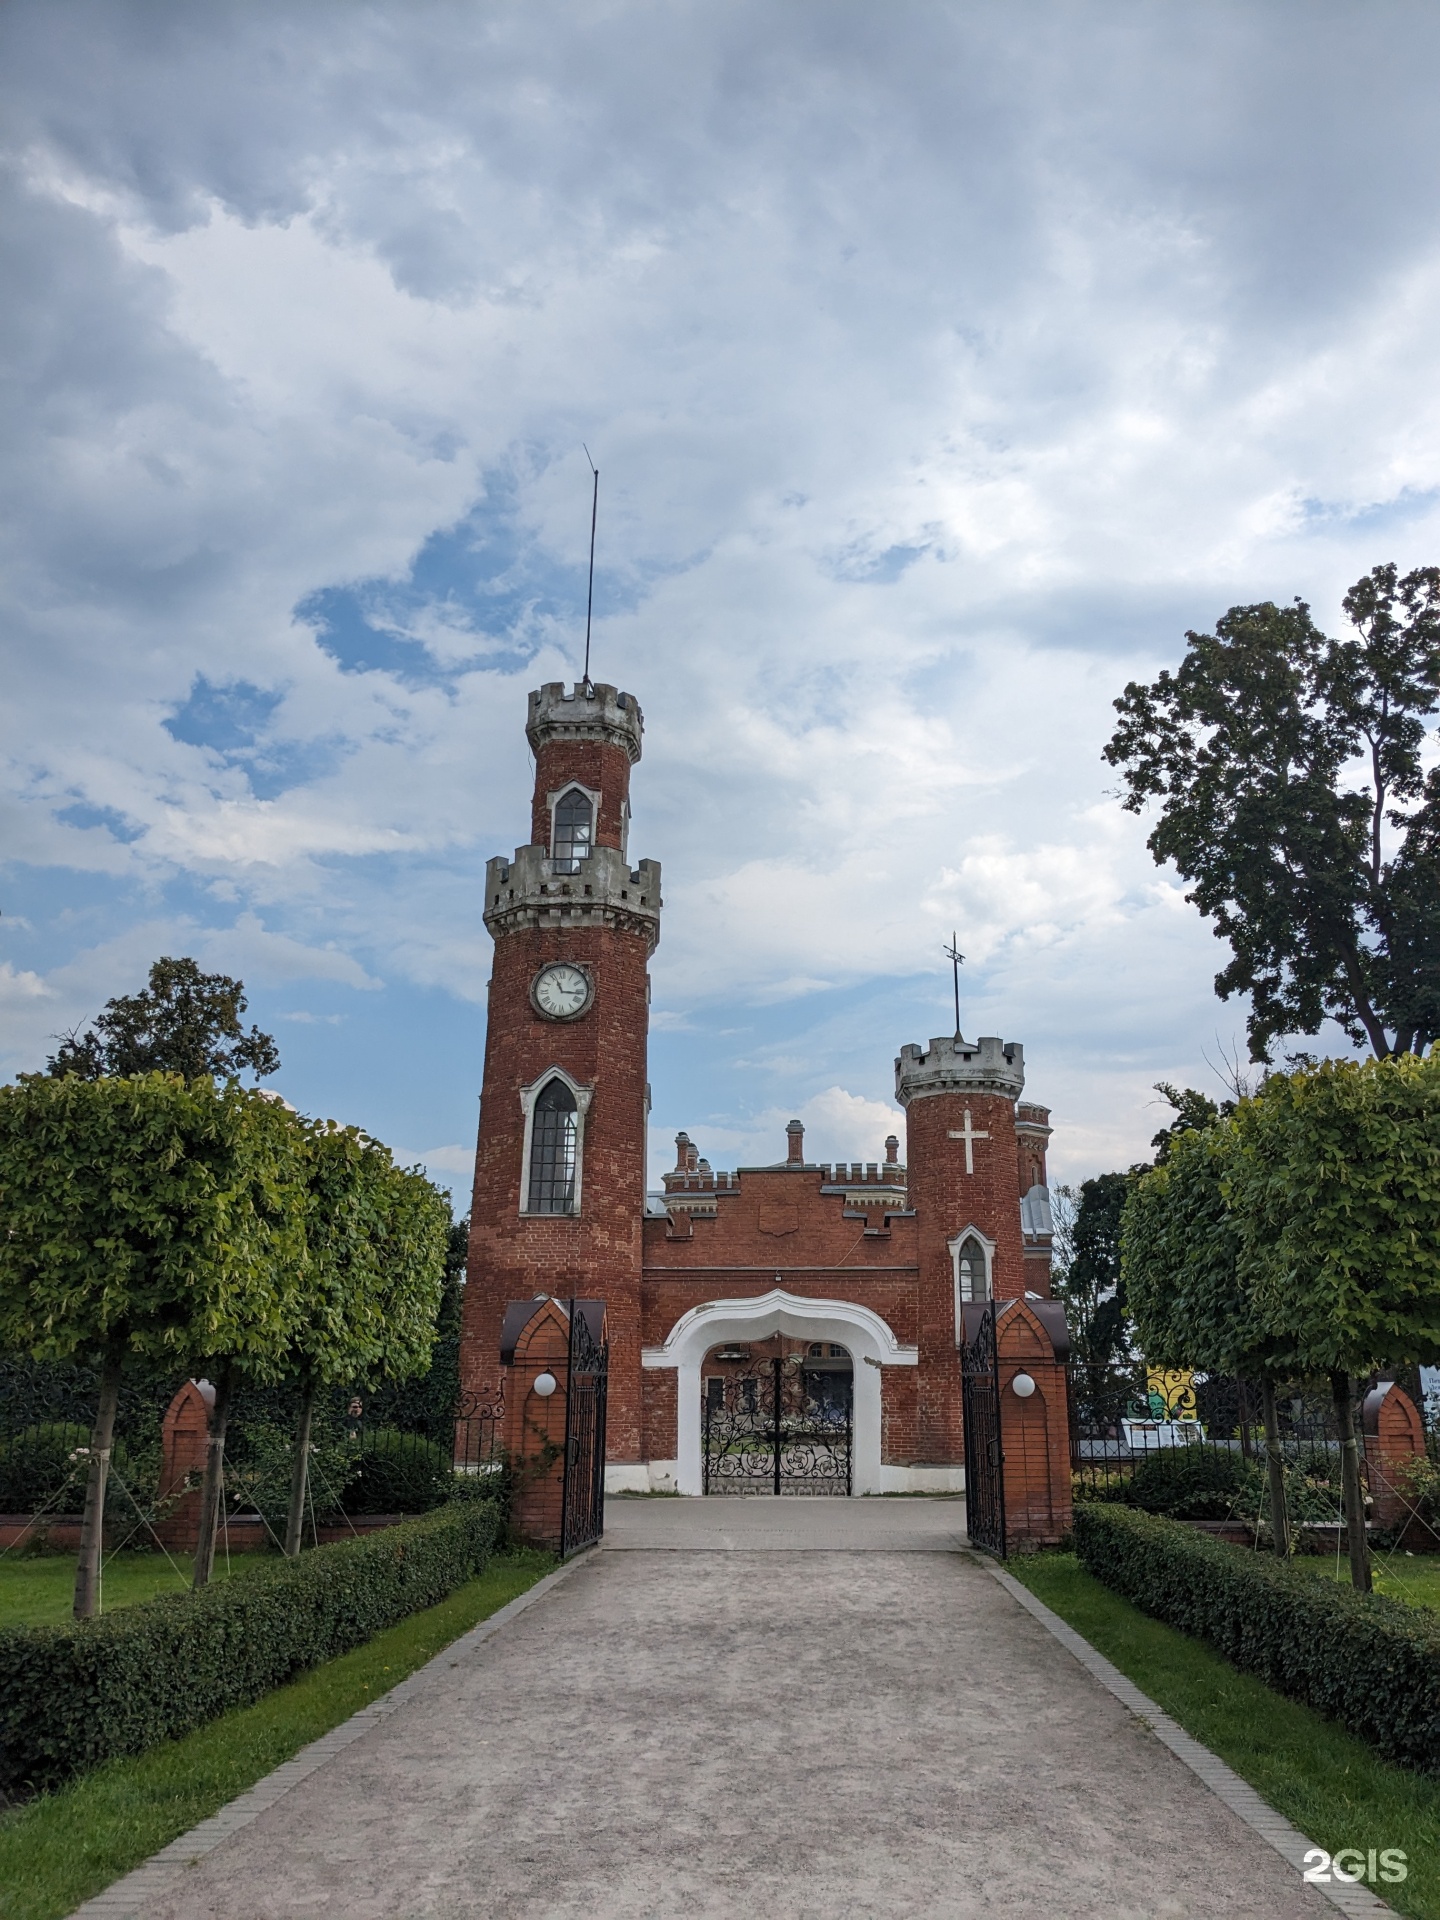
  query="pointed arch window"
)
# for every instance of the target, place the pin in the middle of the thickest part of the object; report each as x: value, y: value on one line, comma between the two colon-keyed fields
x: 972, y: 1256
x: 574, y: 833
x: 973, y: 1269
x: 554, y: 1151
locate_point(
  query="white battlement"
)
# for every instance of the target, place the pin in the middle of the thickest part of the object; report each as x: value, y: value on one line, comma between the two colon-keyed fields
x: 605, y: 891
x: 594, y: 712
x: 953, y: 1065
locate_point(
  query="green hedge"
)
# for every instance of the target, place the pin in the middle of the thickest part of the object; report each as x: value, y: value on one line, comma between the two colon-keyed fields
x: 1372, y: 1664
x: 73, y: 1696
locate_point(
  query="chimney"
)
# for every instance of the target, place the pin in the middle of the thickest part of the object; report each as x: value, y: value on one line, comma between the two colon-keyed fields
x: 795, y: 1144
x: 682, y: 1142
x: 692, y: 1156
x: 892, y: 1150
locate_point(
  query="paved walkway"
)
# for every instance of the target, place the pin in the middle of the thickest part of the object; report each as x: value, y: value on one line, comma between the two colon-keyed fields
x: 786, y: 1726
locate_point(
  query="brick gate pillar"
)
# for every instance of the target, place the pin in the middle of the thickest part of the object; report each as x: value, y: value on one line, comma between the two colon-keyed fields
x: 184, y: 1439
x: 534, y: 1343
x: 1032, y: 1345
x: 1394, y: 1436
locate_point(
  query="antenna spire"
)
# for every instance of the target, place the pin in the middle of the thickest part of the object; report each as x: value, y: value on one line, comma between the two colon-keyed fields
x: 590, y: 597
x: 955, y: 957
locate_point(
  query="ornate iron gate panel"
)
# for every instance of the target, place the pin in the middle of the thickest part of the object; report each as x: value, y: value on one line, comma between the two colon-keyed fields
x: 776, y: 1431
x: 984, y: 1459
x: 582, y: 1500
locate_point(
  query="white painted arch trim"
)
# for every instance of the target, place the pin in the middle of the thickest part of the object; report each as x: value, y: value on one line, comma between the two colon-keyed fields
x: 714, y: 1323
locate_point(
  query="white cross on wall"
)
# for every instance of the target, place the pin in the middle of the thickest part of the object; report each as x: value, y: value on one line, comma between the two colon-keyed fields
x: 969, y: 1136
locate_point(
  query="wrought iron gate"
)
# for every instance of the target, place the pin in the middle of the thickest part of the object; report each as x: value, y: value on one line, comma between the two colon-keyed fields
x: 772, y: 1431
x: 582, y: 1499
x: 984, y: 1460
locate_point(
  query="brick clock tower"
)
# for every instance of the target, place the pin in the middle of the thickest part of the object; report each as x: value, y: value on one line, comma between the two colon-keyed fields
x: 559, y: 1195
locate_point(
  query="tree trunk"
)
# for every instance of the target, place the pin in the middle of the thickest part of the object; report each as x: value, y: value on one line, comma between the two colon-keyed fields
x: 299, y: 1473
x: 210, y: 1487
x: 1275, y: 1471
x: 92, y: 1526
x: 1343, y: 1389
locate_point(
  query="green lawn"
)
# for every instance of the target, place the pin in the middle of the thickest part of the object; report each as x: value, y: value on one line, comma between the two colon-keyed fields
x: 1414, y: 1577
x: 61, y: 1849
x: 1332, y: 1786
x: 40, y: 1591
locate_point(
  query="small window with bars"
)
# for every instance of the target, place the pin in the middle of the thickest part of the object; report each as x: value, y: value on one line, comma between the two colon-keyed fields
x: 574, y: 831
x: 554, y: 1145
x: 974, y: 1276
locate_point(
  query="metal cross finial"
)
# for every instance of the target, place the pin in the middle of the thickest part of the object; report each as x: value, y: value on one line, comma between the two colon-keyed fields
x: 955, y: 957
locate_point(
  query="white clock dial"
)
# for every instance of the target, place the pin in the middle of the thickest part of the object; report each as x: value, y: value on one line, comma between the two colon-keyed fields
x: 561, y: 992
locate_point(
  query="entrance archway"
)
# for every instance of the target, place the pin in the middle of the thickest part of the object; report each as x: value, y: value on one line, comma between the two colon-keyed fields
x: 777, y: 1417
x: 861, y: 1332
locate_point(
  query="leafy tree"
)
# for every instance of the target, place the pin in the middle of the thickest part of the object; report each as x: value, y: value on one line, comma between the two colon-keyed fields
x: 145, y: 1216
x: 377, y: 1237
x: 1091, y: 1285
x: 1194, y: 1112
x: 1192, y: 1308
x: 184, y: 1022
x: 1335, y: 1191
x: 1279, y: 758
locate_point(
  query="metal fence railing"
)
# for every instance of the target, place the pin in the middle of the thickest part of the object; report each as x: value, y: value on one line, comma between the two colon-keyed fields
x: 383, y: 1453
x: 1192, y: 1446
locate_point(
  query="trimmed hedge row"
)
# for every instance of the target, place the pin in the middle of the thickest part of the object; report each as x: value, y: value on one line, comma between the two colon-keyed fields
x: 1368, y: 1662
x: 73, y: 1696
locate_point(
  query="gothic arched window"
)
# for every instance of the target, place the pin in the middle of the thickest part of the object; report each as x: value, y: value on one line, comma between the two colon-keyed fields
x: 973, y: 1270
x: 554, y: 1138
x: 574, y: 830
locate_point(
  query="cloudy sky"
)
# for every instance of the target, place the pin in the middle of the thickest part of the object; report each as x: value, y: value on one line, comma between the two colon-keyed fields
x: 943, y: 363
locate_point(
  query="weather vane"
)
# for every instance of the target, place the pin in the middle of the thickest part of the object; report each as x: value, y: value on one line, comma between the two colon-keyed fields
x: 590, y: 598
x: 955, y: 957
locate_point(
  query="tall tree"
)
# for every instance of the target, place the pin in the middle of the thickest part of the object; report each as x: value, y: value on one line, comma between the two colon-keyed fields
x: 144, y: 1216
x: 1180, y: 1248
x: 378, y: 1237
x: 1335, y: 1191
x: 184, y: 1022
x: 1281, y: 759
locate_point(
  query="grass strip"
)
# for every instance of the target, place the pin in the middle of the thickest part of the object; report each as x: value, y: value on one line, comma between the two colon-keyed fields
x: 40, y: 1591
x: 1332, y: 1786
x: 64, y: 1847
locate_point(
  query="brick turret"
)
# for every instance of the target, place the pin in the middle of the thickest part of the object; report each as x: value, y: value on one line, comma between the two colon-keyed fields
x: 959, y: 1098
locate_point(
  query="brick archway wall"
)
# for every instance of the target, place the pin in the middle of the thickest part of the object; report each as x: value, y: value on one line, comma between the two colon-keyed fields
x: 869, y: 1338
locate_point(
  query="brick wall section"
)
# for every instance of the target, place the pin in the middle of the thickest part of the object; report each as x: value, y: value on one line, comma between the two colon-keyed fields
x: 603, y: 769
x: 771, y: 1222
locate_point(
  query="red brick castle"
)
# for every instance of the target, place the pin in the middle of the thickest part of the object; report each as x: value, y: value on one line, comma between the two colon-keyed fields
x: 858, y: 1270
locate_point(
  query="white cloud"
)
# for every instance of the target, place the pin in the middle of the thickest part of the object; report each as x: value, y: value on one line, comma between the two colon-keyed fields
x: 941, y: 369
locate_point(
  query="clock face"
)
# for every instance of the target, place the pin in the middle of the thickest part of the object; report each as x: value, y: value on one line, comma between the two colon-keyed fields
x: 561, y: 992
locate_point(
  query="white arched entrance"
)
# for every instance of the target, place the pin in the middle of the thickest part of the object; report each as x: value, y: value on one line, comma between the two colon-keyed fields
x: 868, y: 1337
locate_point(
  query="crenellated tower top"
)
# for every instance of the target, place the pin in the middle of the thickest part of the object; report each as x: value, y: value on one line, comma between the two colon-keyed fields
x: 592, y: 711
x: 953, y: 1065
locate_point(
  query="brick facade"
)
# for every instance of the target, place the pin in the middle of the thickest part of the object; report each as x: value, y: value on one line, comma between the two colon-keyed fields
x: 860, y: 1255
